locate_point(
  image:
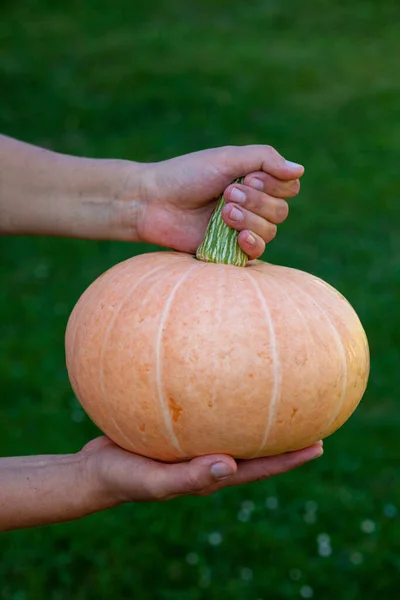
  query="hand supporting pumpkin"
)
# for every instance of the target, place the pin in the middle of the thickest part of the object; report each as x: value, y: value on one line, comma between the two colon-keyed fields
x: 41, y: 490
x: 167, y: 203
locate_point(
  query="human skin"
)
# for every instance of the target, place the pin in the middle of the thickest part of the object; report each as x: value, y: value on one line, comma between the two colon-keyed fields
x: 167, y: 203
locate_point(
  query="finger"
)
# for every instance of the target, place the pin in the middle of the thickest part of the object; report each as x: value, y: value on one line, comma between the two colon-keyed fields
x: 274, y: 210
x: 240, y: 218
x: 251, y: 244
x: 195, y: 477
x: 240, y: 160
x: 271, y: 185
x: 263, y: 468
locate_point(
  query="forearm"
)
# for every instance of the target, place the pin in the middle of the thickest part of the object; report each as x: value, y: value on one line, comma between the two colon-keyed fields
x: 46, y: 193
x: 40, y: 490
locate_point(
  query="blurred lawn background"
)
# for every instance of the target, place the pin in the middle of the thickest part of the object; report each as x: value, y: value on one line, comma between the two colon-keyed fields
x: 148, y: 80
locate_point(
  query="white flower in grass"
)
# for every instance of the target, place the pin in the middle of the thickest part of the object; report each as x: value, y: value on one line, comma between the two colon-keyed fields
x: 368, y: 526
x: 248, y: 505
x: 306, y: 591
x: 272, y: 503
x: 324, y: 545
x: 324, y: 550
x: 215, y: 538
x: 323, y: 538
x: 390, y: 511
x: 243, y: 515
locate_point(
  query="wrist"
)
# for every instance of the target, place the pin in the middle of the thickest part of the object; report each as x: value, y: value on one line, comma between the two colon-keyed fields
x: 128, y: 198
x: 98, y: 200
x: 96, y: 481
x: 105, y: 207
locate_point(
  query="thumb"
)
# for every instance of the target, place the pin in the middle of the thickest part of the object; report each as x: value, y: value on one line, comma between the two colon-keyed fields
x: 241, y: 160
x: 192, y: 478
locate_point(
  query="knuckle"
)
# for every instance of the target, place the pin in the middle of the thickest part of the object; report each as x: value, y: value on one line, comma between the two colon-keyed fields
x: 194, y: 484
x: 273, y: 152
x: 229, y: 151
x: 270, y: 149
x: 224, y: 155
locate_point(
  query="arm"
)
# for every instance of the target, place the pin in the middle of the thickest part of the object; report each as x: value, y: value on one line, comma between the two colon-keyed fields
x: 46, y: 193
x: 168, y: 203
x: 40, y: 490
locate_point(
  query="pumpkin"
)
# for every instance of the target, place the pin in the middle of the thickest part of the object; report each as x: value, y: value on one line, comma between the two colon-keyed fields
x: 175, y: 356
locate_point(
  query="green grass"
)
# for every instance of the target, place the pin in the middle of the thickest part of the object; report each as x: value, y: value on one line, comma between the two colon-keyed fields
x: 318, y: 80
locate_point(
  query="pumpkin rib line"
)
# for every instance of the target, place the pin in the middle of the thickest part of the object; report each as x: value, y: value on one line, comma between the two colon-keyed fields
x: 296, y: 308
x: 82, y: 310
x: 299, y: 312
x: 158, y: 370
x: 277, y: 369
x: 340, y: 347
x: 107, y: 333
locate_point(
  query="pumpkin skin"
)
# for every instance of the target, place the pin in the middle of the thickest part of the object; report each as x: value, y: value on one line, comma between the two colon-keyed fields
x: 174, y: 358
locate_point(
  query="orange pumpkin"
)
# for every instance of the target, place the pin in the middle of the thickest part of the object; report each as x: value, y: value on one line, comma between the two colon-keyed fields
x: 174, y: 356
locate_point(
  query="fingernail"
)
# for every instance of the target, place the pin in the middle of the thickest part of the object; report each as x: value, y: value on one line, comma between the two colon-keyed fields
x: 293, y: 165
x: 221, y: 470
x: 257, y: 184
x: 251, y: 240
x: 236, y: 214
x: 238, y: 196
x: 320, y: 453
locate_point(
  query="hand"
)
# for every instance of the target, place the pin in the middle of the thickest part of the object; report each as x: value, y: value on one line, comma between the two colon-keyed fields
x: 122, y: 477
x: 167, y: 203
x: 178, y: 196
x: 36, y: 490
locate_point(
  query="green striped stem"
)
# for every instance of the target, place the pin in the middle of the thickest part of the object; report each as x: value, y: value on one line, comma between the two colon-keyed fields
x: 220, y: 243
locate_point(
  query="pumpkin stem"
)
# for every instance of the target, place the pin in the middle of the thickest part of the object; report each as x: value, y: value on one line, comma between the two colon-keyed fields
x: 220, y: 243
